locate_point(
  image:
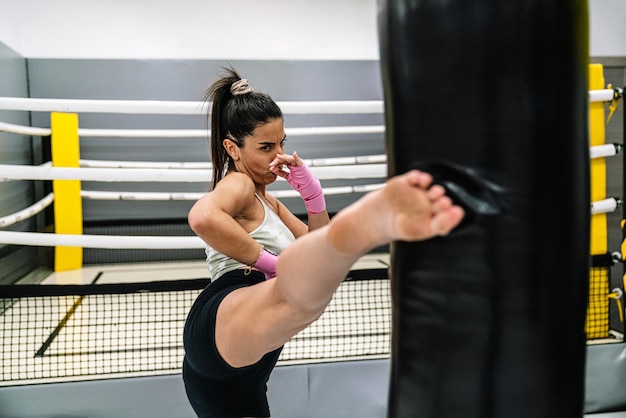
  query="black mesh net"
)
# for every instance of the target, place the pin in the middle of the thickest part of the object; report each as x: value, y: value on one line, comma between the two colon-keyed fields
x: 76, y: 332
x: 597, y: 325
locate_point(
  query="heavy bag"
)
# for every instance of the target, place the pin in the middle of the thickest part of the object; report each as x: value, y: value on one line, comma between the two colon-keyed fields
x: 490, y: 96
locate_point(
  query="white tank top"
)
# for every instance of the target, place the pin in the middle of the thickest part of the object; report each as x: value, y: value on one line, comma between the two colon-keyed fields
x: 273, y: 234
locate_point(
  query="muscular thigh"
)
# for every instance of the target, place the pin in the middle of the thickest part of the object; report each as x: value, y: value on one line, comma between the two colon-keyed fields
x: 253, y: 321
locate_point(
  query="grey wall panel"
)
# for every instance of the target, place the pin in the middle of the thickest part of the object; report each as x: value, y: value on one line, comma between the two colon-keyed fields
x: 15, y: 262
x: 605, y: 378
x: 338, y: 390
x: 14, y: 149
x: 188, y: 80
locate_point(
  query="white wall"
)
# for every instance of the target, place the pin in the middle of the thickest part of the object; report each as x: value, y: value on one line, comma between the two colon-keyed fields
x: 190, y: 29
x: 226, y: 29
x: 607, y: 24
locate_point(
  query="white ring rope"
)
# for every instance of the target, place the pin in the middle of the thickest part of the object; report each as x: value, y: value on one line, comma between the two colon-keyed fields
x: 99, y: 241
x: 165, y: 107
x: 605, y: 95
x: 116, y: 241
x: 144, y: 164
x: 138, y: 196
x: 110, y: 241
x: 187, y: 133
x: 29, y: 212
x: 605, y: 150
x: 315, y: 162
x: 205, y: 133
x: 165, y: 196
x: 607, y: 205
x: 363, y: 159
x: 24, y: 130
x: 335, y: 130
x: 152, y: 242
x: 143, y: 133
x: 27, y: 172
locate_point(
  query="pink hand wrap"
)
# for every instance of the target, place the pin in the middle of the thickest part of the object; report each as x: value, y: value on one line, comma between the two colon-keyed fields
x: 266, y: 263
x: 304, y: 182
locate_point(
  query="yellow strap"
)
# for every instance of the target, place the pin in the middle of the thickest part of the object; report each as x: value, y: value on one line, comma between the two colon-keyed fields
x: 613, y: 104
x: 617, y: 296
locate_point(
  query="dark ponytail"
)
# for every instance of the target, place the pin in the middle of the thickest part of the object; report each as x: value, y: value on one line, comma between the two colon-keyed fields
x: 234, y: 117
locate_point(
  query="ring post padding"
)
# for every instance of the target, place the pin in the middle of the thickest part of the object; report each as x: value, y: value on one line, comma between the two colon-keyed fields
x: 68, y: 212
x: 488, y: 322
x: 597, y: 135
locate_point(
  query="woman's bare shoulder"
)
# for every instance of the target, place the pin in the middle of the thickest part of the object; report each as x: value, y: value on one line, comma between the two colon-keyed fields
x: 236, y: 182
x: 236, y: 191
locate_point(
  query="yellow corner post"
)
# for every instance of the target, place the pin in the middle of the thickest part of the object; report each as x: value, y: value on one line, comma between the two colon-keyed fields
x: 597, y: 134
x: 68, y: 211
x: 597, y: 323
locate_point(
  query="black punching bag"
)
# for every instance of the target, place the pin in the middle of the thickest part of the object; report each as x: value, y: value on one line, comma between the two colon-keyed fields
x: 490, y: 96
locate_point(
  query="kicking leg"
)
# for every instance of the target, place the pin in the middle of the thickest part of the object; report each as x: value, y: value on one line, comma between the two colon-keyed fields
x: 255, y: 320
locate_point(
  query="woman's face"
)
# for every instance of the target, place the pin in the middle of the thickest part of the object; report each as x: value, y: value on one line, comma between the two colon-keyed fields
x: 260, y: 149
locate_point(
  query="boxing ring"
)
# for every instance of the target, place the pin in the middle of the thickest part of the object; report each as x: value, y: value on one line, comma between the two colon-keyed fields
x: 71, y: 340
x: 90, y: 324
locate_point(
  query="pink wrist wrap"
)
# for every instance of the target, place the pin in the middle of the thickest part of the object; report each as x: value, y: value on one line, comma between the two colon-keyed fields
x: 267, y: 264
x: 309, y: 187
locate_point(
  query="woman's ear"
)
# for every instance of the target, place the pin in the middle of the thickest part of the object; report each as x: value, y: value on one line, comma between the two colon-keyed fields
x: 231, y: 148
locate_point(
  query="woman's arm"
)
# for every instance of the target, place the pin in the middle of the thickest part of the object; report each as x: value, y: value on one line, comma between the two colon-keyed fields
x: 318, y: 220
x: 212, y: 218
x: 296, y: 226
x: 307, y: 185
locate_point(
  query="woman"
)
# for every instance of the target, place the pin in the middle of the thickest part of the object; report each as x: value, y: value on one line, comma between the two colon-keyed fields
x: 257, y: 300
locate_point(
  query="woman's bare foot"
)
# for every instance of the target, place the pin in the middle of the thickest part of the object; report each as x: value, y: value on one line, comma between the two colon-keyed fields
x: 407, y: 208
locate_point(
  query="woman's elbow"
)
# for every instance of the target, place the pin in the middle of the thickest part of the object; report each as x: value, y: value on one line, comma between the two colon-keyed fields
x: 197, y: 220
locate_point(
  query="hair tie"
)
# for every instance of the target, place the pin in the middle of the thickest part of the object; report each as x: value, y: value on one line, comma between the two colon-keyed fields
x: 240, y: 87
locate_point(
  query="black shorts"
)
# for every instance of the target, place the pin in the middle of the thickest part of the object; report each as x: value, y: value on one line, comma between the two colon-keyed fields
x: 214, y: 388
